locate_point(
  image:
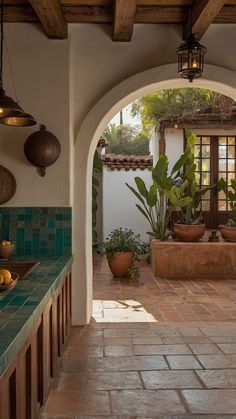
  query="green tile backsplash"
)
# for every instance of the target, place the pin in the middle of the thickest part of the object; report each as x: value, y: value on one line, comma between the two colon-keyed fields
x: 37, y: 231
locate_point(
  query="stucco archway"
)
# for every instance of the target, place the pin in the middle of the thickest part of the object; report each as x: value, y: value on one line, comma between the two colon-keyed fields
x: 164, y: 77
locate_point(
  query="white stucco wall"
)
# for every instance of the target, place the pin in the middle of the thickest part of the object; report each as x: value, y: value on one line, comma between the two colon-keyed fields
x: 41, y: 73
x: 119, y: 208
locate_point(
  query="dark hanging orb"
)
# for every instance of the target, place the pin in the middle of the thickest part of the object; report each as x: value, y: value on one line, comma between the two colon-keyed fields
x: 42, y: 149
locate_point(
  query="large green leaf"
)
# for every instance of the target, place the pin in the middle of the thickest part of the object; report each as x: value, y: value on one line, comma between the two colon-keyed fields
x: 143, y: 212
x: 141, y: 186
x: 161, y: 168
x: 152, y: 196
x: 95, y: 181
x: 136, y: 193
x: 179, y: 164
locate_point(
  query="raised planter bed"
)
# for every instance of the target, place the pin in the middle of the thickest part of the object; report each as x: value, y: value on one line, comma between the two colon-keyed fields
x: 193, y: 260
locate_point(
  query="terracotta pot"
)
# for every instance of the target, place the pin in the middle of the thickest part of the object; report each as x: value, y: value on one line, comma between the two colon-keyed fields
x: 120, y: 262
x: 6, y: 251
x: 189, y: 232
x: 228, y: 233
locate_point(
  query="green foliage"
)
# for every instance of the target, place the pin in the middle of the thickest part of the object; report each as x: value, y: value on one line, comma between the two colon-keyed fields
x: 177, y: 104
x: 231, y: 197
x: 155, y: 203
x: 124, y: 240
x: 126, y: 140
x: 97, y: 168
x: 186, y: 196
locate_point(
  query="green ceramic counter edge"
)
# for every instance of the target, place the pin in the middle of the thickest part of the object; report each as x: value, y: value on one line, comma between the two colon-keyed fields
x: 21, y: 307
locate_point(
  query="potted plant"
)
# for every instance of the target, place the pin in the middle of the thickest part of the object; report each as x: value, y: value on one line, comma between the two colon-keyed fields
x: 228, y: 231
x: 189, y: 226
x: 154, y: 202
x: 122, y: 247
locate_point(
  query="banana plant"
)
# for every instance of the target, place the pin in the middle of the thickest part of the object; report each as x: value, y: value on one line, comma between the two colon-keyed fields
x: 184, y: 172
x: 155, y: 204
x: 231, y: 197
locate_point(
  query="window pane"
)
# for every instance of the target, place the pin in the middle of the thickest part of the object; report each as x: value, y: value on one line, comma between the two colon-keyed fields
x: 198, y: 164
x: 206, y: 151
x: 205, y: 165
x: 231, y: 140
x: 222, y: 165
x: 231, y: 152
x: 231, y: 165
x: 197, y: 151
x: 198, y: 140
x: 206, y: 140
x: 222, y: 206
x: 221, y: 195
x: 230, y: 176
x: 205, y: 178
x: 207, y: 195
x: 197, y: 178
x: 222, y: 175
x: 206, y: 205
x: 222, y: 151
x: 222, y: 140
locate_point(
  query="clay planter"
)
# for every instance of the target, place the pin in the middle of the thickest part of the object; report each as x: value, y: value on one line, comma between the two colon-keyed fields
x: 119, y: 263
x: 6, y: 251
x: 228, y: 233
x: 189, y: 232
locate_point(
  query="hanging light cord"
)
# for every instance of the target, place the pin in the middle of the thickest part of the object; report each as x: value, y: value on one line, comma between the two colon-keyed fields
x: 11, y: 70
x: 1, y: 58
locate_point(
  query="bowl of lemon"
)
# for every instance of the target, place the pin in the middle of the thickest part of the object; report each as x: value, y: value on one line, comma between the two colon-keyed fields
x: 6, y: 249
x: 7, y: 279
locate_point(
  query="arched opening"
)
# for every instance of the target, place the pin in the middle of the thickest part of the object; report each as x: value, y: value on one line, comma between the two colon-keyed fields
x: 215, y: 78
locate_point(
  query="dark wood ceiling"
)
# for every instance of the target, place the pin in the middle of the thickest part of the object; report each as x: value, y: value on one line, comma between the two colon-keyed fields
x: 54, y: 15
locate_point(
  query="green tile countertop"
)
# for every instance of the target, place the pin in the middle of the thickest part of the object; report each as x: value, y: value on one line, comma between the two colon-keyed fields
x: 21, y: 307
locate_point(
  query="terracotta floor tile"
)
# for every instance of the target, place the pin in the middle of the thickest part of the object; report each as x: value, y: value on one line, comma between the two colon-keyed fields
x: 146, y: 402
x: 117, y: 341
x: 99, y: 381
x: 181, y: 362
x: 228, y: 348
x: 211, y: 401
x: 84, y: 352
x: 118, y: 350
x: 161, y: 349
x: 218, y: 378
x: 204, y: 348
x: 170, y: 379
x: 78, y: 403
x: 124, y: 363
x: 217, y: 361
x: 155, y: 340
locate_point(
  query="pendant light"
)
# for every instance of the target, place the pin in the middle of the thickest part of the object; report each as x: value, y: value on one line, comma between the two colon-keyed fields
x: 191, y: 58
x: 10, y: 111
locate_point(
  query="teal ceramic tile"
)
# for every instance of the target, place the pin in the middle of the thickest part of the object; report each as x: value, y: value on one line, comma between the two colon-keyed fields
x: 37, y: 231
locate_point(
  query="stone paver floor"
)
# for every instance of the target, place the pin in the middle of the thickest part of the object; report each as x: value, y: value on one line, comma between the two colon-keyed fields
x: 154, y: 349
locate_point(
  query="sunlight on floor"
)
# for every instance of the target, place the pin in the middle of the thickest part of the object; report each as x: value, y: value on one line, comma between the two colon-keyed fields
x: 121, y: 310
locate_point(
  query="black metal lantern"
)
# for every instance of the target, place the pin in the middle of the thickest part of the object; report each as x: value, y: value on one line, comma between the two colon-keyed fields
x: 191, y: 58
x: 42, y: 149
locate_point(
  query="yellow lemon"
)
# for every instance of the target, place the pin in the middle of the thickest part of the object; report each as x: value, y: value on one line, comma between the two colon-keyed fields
x: 7, y: 281
x: 5, y: 273
x: 1, y: 279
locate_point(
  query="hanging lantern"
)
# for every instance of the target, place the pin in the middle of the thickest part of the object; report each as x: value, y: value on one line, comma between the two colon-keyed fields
x: 191, y: 58
x: 42, y: 149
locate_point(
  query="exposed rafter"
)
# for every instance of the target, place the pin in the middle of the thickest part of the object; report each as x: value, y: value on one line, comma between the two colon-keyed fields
x: 124, y: 15
x: 50, y: 14
x: 202, y: 14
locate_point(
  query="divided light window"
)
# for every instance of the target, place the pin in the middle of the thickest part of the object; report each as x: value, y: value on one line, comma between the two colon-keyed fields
x: 215, y: 158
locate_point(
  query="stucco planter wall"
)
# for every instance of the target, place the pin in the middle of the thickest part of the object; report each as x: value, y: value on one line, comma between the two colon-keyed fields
x: 193, y: 260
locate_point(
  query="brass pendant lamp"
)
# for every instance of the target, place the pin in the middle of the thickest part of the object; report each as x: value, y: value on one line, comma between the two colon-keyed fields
x: 10, y: 111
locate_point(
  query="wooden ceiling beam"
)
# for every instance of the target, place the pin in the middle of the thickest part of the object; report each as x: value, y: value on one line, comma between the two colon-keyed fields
x: 202, y: 14
x: 50, y: 14
x: 124, y: 15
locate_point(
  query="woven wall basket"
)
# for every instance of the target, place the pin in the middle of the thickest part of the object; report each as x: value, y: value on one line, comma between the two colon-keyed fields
x: 7, y: 185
